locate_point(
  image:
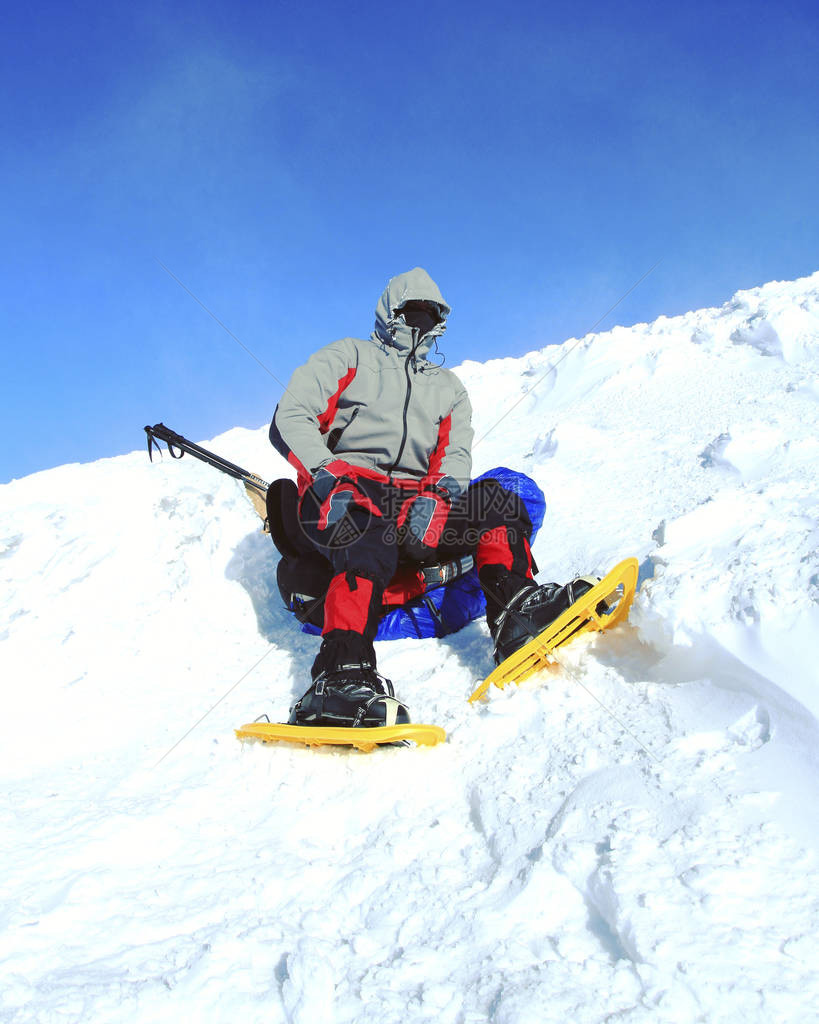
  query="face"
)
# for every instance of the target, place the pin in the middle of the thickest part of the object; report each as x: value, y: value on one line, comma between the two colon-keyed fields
x: 420, y: 314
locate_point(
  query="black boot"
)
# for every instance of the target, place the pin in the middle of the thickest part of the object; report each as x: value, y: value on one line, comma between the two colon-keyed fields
x: 518, y: 609
x: 347, y: 690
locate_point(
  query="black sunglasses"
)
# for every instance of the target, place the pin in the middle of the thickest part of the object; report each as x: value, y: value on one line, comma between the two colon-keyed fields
x: 421, y: 306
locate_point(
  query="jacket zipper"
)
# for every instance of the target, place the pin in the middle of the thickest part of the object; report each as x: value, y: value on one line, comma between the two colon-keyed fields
x: 411, y: 355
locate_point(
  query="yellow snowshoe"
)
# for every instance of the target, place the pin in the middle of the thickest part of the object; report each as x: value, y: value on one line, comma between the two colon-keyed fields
x: 605, y: 605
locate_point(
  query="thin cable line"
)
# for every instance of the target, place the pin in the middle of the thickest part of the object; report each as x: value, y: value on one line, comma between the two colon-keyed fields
x: 565, y: 354
x: 218, y: 321
x: 216, y: 705
x: 549, y: 655
x: 608, y: 710
x: 290, y: 625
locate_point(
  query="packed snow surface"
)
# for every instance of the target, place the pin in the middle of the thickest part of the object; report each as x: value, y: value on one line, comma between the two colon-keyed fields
x: 630, y: 837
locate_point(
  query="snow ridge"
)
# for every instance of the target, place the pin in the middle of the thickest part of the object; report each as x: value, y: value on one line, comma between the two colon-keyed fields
x: 541, y: 866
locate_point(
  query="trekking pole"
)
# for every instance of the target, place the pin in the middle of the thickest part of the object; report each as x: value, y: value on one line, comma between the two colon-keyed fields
x: 255, y: 488
x: 159, y: 432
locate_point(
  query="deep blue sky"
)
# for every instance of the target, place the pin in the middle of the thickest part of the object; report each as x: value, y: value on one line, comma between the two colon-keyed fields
x: 285, y: 159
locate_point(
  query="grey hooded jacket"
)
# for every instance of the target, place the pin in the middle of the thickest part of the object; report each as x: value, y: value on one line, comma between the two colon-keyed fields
x: 378, y: 404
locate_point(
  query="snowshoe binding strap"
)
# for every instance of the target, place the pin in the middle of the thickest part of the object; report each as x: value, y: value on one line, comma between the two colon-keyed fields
x: 392, y: 709
x: 350, y: 695
x: 574, y: 591
x: 533, y: 608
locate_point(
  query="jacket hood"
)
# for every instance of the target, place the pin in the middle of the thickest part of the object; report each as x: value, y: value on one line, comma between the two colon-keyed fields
x: 390, y: 327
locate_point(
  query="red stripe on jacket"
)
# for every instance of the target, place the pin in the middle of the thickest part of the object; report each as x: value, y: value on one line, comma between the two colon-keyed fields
x: 325, y: 420
x: 441, y: 445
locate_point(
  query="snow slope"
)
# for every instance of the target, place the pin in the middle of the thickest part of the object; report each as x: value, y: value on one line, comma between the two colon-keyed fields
x: 632, y: 837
